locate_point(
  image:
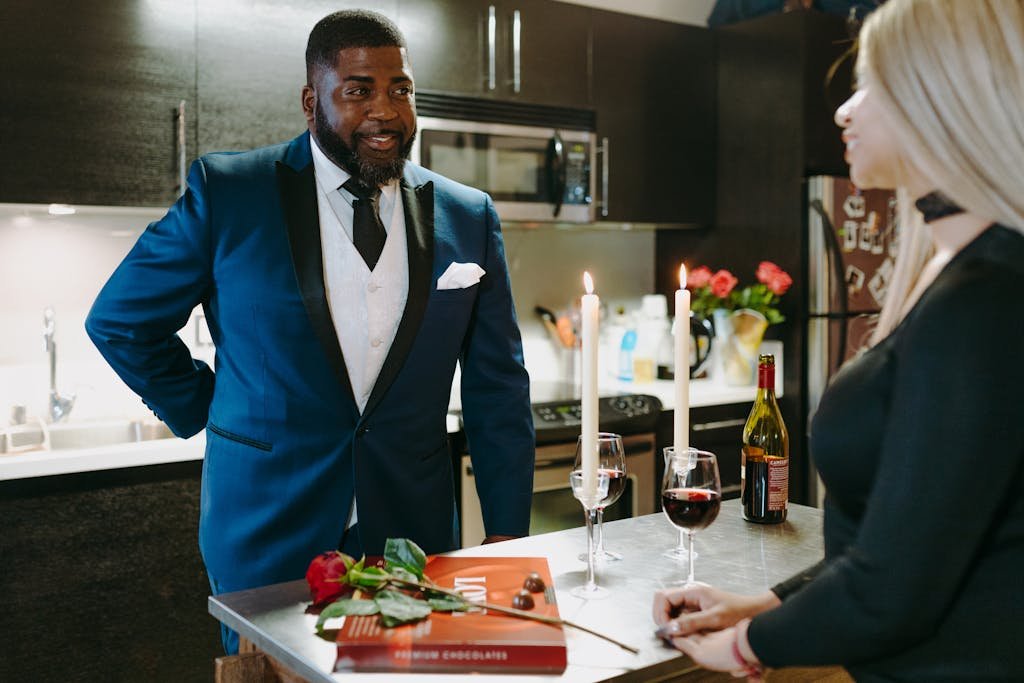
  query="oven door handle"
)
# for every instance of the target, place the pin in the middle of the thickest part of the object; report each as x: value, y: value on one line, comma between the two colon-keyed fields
x: 630, y: 448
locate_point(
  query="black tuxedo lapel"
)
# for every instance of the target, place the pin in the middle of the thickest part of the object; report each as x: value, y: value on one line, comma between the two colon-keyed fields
x: 298, y: 197
x: 418, y: 207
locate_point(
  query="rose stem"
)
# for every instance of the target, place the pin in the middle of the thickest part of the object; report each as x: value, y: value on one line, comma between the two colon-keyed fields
x: 511, y: 611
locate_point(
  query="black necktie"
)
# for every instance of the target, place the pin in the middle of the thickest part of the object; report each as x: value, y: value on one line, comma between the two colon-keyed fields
x: 368, y: 233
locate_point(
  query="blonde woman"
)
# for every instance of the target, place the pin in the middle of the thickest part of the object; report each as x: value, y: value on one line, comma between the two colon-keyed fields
x: 920, y: 441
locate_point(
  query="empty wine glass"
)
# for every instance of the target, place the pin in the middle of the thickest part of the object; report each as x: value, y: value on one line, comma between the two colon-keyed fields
x: 590, y: 496
x: 691, y: 493
x: 611, y: 458
x: 678, y: 552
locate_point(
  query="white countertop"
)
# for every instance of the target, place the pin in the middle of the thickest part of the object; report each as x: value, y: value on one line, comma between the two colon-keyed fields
x: 70, y: 461
x: 703, y: 392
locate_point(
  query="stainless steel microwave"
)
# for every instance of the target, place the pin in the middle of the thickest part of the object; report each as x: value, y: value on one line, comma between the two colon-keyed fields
x: 532, y: 173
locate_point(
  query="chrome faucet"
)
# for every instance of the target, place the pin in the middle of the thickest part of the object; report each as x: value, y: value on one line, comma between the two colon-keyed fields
x: 60, y: 406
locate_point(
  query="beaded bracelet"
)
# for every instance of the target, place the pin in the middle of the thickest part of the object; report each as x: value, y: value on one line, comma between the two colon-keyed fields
x: 754, y: 672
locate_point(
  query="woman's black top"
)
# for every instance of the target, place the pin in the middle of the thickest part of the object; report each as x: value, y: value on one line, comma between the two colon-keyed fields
x: 920, y: 443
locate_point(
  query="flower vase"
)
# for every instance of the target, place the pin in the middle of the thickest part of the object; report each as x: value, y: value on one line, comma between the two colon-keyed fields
x: 738, y: 335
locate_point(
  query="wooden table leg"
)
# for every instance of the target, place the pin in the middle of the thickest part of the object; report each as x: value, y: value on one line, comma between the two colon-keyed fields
x: 251, y: 665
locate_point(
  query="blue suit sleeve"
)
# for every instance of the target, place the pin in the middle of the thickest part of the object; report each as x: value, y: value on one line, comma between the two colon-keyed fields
x: 135, y: 319
x: 496, y: 398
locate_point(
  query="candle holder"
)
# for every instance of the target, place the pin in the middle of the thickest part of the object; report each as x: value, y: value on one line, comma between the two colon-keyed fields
x: 611, y: 459
x: 590, y: 500
x: 691, y: 494
x: 680, y: 552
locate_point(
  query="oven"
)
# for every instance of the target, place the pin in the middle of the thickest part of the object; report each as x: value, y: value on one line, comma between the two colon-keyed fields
x: 557, y: 423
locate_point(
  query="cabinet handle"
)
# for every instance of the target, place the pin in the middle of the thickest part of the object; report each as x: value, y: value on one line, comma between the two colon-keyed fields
x: 517, y: 27
x: 492, y: 47
x: 721, y: 424
x: 181, y: 148
x: 603, y: 151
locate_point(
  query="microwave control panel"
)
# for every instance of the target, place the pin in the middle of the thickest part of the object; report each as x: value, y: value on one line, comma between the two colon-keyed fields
x: 577, y: 174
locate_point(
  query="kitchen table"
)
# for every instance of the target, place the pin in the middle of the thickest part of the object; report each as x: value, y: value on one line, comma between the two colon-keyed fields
x: 733, y: 554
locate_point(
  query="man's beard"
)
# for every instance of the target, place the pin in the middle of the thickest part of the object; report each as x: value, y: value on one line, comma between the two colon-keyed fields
x: 369, y: 172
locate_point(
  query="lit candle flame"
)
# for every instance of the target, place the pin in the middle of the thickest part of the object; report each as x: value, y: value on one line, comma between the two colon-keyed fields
x: 682, y: 276
x: 588, y: 282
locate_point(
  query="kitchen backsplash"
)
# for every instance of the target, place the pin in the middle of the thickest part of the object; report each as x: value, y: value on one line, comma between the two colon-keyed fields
x: 546, y: 267
x: 62, y: 261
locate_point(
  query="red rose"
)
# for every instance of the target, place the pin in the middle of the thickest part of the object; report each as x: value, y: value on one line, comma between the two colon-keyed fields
x: 324, y: 574
x: 766, y: 271
x: 780, y: 283
x: 722, y: 283
x: 698, y: 277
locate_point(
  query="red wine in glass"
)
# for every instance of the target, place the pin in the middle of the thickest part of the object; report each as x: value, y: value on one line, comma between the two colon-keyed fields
x: 691, y: 492
x: 691, y: 509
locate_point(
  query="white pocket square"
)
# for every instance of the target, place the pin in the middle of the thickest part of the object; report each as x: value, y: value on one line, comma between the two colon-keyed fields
x: 460, y: 276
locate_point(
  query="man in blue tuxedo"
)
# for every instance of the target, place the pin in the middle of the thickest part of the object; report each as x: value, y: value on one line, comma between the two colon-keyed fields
x: 341, y: 286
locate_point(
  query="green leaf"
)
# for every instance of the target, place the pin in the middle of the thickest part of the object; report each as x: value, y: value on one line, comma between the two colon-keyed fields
x: 448, y: 604
x: 401, y: 552
x: 398, y: 608
x: 371, y: 577
x: 346, y: 607
x: 404, y: 574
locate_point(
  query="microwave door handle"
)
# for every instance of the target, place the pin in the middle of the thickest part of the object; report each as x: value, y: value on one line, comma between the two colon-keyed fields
x: 556, y: 172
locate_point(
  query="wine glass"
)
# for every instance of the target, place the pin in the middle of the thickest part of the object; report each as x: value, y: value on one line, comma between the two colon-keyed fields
x: 691, y: 493
x: 611, y: 458
x: 679, y: 552
x: 590, y: 499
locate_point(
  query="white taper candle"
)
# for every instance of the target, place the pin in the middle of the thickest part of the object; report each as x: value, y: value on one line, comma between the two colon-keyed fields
x: 681, y: 424
x: 588, y: 314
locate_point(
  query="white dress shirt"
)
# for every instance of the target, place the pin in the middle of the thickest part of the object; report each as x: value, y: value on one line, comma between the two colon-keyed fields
x: 366, y: 307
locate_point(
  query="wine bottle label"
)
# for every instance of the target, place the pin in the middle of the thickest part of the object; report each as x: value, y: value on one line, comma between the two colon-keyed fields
x: 778, y: 483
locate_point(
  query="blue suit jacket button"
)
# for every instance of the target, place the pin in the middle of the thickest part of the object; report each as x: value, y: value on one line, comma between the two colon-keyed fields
x: 362, y: 430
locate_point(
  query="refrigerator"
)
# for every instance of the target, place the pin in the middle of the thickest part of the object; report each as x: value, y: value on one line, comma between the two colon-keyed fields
x: 851, y: 247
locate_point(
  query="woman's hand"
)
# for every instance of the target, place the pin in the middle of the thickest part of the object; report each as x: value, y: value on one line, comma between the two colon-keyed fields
x: 695, y: 609
x: 725, y: 650
x: 712, y: 651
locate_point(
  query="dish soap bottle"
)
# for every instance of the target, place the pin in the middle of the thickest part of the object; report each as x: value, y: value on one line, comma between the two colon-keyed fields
x: 626, y: 349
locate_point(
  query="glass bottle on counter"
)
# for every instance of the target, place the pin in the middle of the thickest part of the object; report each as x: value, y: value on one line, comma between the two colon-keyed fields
x: 764, y: 472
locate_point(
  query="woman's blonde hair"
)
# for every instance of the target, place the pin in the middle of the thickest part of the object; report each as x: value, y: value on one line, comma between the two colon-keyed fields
x: 950, y: 75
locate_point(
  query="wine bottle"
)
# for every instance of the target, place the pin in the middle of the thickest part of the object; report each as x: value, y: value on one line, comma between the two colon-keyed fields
x: 764, y: 473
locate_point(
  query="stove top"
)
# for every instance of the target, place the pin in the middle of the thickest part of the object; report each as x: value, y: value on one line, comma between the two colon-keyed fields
x: 557, y: 411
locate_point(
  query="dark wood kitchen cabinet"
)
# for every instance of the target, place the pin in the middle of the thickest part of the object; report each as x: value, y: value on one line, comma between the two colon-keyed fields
x: 450, y: 45
x: 88, y: 100
x: 252, y: 68
x: 718, y: 429
x: 774, y: 129
x: 102, y: 578
x: 654, y: 91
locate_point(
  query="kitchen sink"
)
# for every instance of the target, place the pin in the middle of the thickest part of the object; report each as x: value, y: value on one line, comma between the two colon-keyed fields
x: 82, y: 435
x: 91, y: 435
